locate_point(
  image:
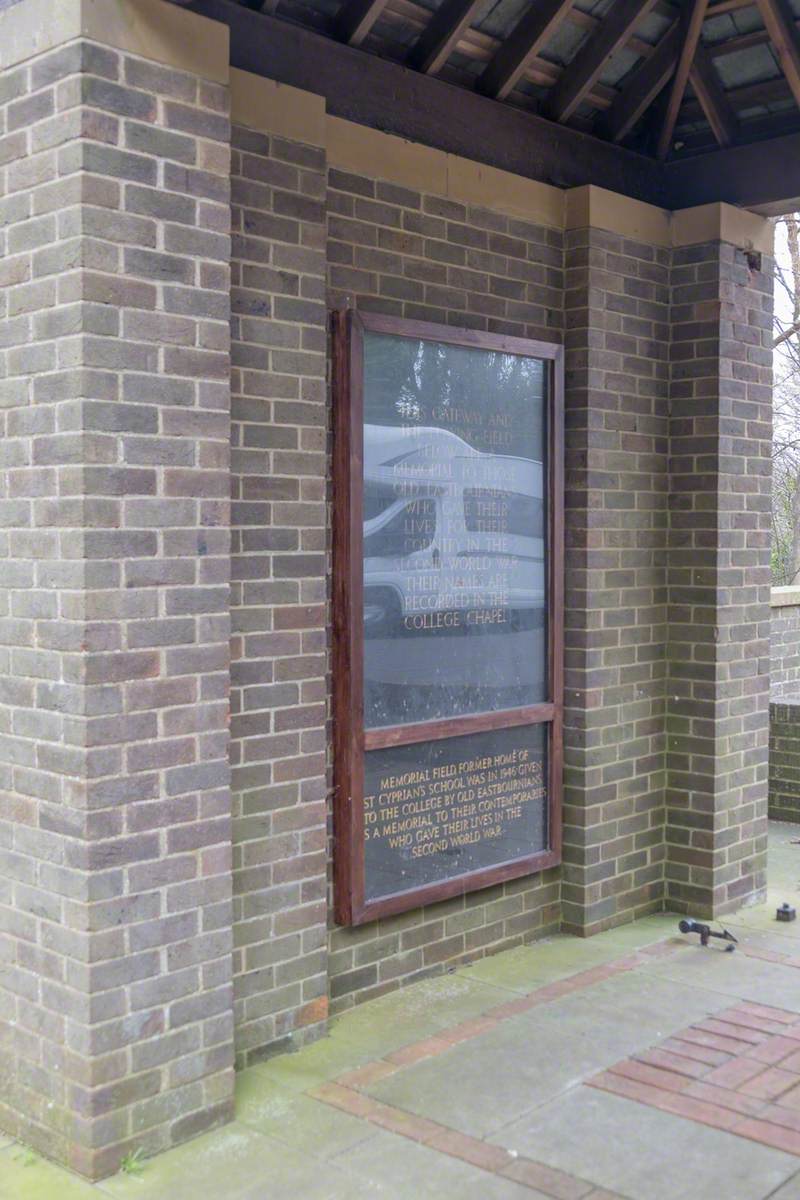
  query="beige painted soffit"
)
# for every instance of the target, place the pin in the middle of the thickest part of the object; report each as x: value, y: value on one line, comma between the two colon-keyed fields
x: 470, y: 182
x: 723, y: 223
x: 592, y: 207
x: 152, y: 29
x: 365, y: 151
x: 378, y: 155
x: 277, y: 108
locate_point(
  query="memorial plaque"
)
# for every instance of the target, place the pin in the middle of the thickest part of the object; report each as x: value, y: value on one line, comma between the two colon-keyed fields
x: 447, y: 611
x: 435, y: 810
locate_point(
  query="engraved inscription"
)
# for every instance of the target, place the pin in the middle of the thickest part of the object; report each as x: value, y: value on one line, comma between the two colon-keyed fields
x: 440, y: 809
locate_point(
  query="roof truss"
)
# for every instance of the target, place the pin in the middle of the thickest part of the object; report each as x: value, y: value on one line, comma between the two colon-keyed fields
x: 671, y: 105
x: 356, y: 18
x: 583, y: 71
x: 535, y: 28
x: 690, y: 28
x: 779, y: 22
x: 440, y: 37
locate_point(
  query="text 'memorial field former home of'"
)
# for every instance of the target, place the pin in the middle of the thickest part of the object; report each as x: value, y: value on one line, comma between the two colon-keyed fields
x: 385, y: 399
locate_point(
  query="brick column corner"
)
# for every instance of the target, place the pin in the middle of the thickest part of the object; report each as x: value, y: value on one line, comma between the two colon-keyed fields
x: 617, y: 346
x: 719, y: 572
x: 116, y: 1008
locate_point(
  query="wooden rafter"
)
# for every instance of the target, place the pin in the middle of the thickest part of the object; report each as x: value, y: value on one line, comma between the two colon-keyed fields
x: 481, y: 47
x: 645, y: 84
x: 727, y: 6
x: 713, y: 101
x: 614, y: 32
x: 442, y: 34
x: 750, y: 94
x: 754, y: 129
x: 355, y: 19
x: 691, y: 28
x: 475, y: 44
x: 523, y: 43
x: 780, y: 25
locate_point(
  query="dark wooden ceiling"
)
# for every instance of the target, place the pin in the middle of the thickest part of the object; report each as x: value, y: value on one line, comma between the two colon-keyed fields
x: 664, y: 79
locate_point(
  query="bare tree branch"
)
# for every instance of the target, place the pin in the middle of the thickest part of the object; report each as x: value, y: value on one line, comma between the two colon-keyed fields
x: 787, y: 333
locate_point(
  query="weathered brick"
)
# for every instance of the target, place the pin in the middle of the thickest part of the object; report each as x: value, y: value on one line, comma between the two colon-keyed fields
x: 719, y: 578
x: 97, y: 554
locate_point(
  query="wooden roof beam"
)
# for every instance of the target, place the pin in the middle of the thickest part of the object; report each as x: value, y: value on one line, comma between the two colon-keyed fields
x: 645, y: 84
x: 524, y: 42
x: 750, y: 94
x: 583, y: 71
x: 758, y: 175
x: 779, y: 21
x: 691, y: 26
x: 355, y: 19
x: 442, y: 34
x: 728, y: 6
x: 372, y: 91
x: 713, y: 101
x: 755, y: 129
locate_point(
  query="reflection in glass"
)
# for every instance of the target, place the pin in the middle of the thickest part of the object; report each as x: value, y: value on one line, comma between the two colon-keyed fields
x: 438, y: 809
x: 454, y: 531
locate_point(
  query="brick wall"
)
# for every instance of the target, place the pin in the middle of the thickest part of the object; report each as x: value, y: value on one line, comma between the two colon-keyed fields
x: 393, y: 250
x: 784, y: 761
x: 719, y: 577
x: 279, y: 596
x: 784, y: 644
x: 115, y: 995
x: 139, y: 923
x: 617, y: 347
x: 784, y: 711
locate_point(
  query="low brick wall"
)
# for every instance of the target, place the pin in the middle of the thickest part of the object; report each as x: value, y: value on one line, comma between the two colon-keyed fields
x: 784, y: 759
x: 784, y: 709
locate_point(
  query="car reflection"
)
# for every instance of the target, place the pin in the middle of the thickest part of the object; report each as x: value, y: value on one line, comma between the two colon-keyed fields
x: 454, y: 549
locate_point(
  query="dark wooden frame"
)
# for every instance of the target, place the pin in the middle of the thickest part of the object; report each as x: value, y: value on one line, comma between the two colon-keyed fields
x: 351, y: 741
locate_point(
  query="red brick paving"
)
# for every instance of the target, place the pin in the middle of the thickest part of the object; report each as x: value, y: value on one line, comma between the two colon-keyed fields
x: 738, y: 1071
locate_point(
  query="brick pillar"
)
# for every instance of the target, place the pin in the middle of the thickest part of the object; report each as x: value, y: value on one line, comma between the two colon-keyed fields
x: 616, y: 517
x: 719, y: 577
x: 279, y: 567
x: 116, y: 1014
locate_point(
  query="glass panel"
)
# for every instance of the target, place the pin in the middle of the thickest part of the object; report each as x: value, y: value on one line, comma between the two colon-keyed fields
x: 439, y: 809
x: 454, y: 531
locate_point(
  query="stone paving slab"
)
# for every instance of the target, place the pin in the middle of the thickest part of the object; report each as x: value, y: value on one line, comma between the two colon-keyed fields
x: 734, y: 975
x: 412, y: 1012
x: 530, y: 1058
x: 229, y: 1164
x: 426, y: 1175
x: 644, y: 1154
x: 558, y: 957
x: 25, y: 1176
x: 789, y: 1191
x: 295, y: 1118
